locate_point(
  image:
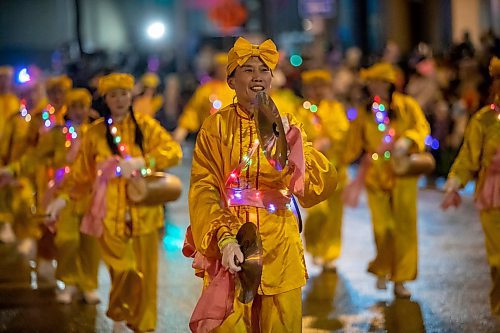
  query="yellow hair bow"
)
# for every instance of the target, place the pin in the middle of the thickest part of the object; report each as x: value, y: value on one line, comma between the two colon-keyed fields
x: 115, y: 81
x: 243, y: 50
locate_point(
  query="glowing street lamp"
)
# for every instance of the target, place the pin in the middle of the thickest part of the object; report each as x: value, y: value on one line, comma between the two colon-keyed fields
x: 156, y: 30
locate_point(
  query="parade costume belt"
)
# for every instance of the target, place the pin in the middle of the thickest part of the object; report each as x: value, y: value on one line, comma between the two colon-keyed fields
x: 280, y: 200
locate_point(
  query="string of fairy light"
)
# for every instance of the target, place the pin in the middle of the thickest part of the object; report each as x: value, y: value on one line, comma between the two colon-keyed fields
x: 123, y: 149
x: 383, y: 125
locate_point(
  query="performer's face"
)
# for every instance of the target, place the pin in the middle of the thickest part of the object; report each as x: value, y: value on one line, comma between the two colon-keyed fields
x: 118, y: 101
x: 56, y: 96
x: 252, y: 77
x: 78, y: 112
x: 379, y: 88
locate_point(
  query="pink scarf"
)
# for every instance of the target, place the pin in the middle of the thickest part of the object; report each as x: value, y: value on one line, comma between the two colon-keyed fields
x: 92, y: 223
x: 216, y: 301
x: 489, y: 195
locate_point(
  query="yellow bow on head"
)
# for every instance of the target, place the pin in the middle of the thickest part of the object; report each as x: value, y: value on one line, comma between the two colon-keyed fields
x: 244, y: 50
x: 61, y: 81
x: 115, y: 81
x: 79, y: 95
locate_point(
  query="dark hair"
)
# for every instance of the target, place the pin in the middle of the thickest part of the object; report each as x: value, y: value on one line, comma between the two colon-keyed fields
x: 109, y: 137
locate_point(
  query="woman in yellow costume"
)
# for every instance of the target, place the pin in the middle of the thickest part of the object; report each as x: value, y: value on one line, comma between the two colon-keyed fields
x: 114, y: 149
x: 208, y: 98
x: 9, y: 105
x: 392, y: 126
x: 326, y: 125
x: 227, y: 140
x: 148, y: 102
x: 479, y: 158
x: 77, y: 254
x: 16, y: 197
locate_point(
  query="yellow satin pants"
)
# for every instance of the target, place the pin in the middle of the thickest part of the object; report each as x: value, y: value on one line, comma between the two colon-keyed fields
x: 394, y: 220
x: 16, y: 203
x: 78, y: 255
x: 133, y: 267
x: 323, y: 228
x: 266, y: 314
x: 491, y: 227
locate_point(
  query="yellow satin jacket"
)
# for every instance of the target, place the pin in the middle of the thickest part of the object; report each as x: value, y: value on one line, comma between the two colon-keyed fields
x: 330, y: 121
x: 160, y: 152
x: 222, y: 143
x: 481, y: 141
x: 409, y: 122
x: 206, y: 100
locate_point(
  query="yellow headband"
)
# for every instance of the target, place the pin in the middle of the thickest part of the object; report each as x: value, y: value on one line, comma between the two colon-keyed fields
x: 78, y: 95
x: 150, y: 80
x: 495, y: 67
x: 381, y: 71
x: 316, y: 74
x: 115, y: 81
x: 7, y: 71
x: 243, y: 50
x: 62, y: 81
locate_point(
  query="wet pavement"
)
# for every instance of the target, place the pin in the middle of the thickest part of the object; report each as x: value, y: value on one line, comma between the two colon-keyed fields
x: 450, y: 294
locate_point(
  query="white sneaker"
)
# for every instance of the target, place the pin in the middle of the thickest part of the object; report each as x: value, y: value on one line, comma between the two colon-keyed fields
x: 7, y: 235
x: 120, y: 327
x: 27, y: 248
x: 91, y: 297
x: 401, y: 291
x: 65, y: 296
x: 381, y: 283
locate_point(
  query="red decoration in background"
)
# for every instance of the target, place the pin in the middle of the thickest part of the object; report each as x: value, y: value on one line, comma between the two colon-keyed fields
x: 228, y: 14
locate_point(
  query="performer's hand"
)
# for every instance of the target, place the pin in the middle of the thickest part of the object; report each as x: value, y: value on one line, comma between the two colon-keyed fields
x: 495, y: 162
x: 401, y: 147
x: 54, y: 208
x: 451, y: 197
x: 229, y: 252
x: 130, y: 165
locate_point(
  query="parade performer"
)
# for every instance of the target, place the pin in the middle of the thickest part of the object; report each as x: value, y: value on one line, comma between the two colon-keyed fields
x: 148, y: 102
x: 392, y: 127
x: 326, y: 125
x: 16, y: 197
x: 77, y: 254
x: 208, y: 98
x: 226, y: 141
x: 479, y: 158
x: 114, y: 150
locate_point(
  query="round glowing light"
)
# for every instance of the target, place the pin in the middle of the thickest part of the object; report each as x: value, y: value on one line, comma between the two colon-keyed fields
x: 66, y: 169
x: 47, y: 123
x: 435, y: 144
x: 28, y: 118
x: 122, y: 148
x: 307, y: 25
x: 114, y: 130
x: 387, y: 155
x: 387, y: 138
x: 313, y: 108
x: 217, y: 104
x: 380, y: 116
x: 233, y: 175
x: 45, y: 115
x: 23, y: 76
x: 272, y: 208
x: 381, y: 127
x: 110, y: 121
x: 156, y: 30
x: 118, y: 139
x: 144, y: 171
x: 74, y: 135
x: 381, y: 107
x: 306, y: 105
x: 392, y: 132
x: 377, y: 99
x: 352, y: 114
x: 296, y: 60
x: 375, y: 106
x: 67, y: 144
x: 374, y: 156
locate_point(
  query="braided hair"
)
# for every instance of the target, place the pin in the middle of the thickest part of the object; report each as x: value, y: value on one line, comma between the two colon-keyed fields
x: 139, y: 137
